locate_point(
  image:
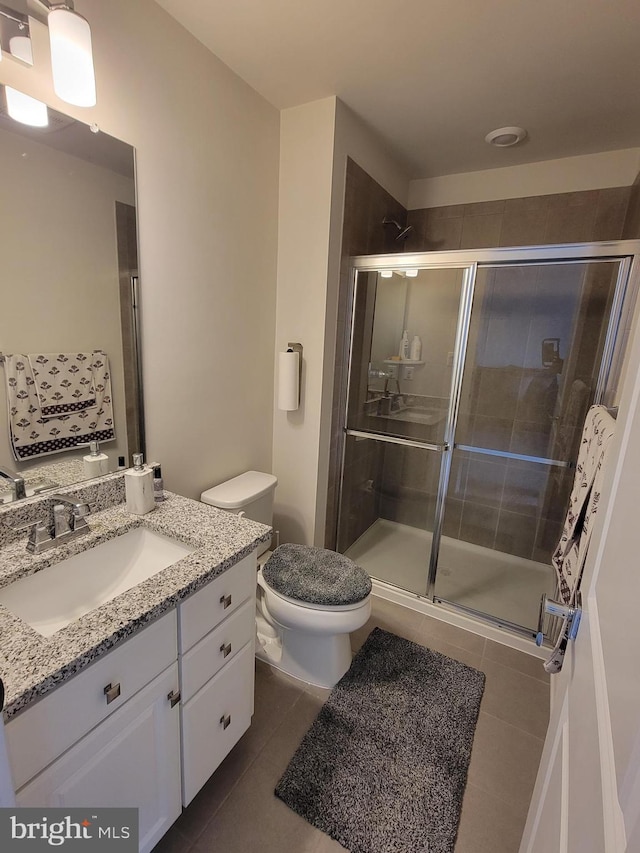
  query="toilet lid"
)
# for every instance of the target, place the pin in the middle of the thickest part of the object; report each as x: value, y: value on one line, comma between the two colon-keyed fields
x: 316, y: 576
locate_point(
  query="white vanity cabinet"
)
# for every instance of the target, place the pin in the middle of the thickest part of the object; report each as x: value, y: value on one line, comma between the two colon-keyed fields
x: 216, y: 629
x: 110, y: 737
x: 147, y: 724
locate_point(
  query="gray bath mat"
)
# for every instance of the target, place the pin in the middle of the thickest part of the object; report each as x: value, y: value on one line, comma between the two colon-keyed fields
x: 384, y: 766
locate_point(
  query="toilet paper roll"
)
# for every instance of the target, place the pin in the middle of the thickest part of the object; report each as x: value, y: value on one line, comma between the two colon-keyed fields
x: 288, y: 381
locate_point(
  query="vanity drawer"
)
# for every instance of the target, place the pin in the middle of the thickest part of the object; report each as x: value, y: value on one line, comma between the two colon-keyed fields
x: 216, y: 601
x: 43, y: 732
x: 215, y: 650
x: 215, y: 719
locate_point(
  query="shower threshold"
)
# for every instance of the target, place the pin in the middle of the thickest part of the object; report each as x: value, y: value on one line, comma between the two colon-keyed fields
x: 478, y: 579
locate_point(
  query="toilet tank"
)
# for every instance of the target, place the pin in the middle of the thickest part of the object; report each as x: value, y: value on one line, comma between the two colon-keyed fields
x: 249, y: 494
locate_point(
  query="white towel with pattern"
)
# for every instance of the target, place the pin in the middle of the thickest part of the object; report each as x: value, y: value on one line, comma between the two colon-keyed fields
x: 570, y: 555
x: 64, y: 382
x: 33, y: 435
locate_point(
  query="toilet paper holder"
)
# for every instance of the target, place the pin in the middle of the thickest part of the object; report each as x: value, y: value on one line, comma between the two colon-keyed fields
x: 296, y: 347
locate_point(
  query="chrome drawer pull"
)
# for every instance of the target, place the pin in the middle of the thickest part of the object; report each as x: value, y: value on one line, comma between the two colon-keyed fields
x: 225, y: 601
x: 225, y: 721
x: 112, y: 691
x: 174, y: 697
x: 226, y: 650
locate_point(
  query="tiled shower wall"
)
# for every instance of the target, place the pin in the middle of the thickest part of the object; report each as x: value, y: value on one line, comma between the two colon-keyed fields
x: 588, y: 216
x: 366, y: 205
x: 580, y: 217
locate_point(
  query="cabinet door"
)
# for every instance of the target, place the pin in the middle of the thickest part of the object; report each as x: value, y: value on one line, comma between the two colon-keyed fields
x: 47, y: 728
x: 132, y: 759
x: 215, y: 719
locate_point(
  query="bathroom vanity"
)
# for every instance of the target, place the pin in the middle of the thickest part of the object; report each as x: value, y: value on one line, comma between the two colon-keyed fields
x: 139, y: 700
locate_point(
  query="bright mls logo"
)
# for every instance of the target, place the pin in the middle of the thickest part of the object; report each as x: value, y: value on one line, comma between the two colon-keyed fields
x: 27, y: 830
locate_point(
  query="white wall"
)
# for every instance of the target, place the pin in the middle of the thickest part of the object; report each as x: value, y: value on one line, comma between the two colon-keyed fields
x: 569, y: 174
x: 316, y: 139
x: 60, y: 266
x: 207, y: 178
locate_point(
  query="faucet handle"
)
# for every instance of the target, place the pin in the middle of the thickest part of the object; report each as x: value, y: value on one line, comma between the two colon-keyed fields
x: 39, y: 532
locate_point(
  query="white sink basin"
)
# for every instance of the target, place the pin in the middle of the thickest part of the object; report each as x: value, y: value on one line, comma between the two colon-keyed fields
x: 58, y: 595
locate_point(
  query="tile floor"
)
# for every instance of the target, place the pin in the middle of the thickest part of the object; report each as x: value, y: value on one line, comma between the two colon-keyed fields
x: 237, y: 812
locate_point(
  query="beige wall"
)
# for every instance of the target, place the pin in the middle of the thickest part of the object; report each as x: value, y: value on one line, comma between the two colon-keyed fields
x: 568, y: 174
x: 316, y: 139
x: 59, y: 266
x: 306, y: 168
x: 207, y: 173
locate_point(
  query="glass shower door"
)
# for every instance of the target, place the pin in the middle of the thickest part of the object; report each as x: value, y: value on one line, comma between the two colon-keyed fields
x: 539, y: 343
x: 399, y: 419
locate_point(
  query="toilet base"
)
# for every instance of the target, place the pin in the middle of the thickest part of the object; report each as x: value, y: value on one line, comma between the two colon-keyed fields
x: 317, y: 660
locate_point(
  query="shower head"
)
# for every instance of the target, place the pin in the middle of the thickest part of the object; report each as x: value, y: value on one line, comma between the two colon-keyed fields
x: 403, y: 231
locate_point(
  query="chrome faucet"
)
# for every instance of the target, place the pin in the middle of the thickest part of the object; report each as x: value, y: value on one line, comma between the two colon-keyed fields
x: 67, y: 520
x: 16, y: 482
x: 69, y: 516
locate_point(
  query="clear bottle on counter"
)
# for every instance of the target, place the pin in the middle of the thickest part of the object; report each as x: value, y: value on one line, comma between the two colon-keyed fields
x: 158, y: 484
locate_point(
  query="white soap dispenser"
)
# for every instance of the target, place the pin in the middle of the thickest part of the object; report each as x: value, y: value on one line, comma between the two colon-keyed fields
x: 95, y: 464
x: 138, y: 487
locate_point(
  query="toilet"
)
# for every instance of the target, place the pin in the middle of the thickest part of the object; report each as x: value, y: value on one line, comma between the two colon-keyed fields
x: 308, y: 600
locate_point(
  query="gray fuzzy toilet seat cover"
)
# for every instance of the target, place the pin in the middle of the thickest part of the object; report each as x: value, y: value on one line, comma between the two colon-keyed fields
x: 316, y: 576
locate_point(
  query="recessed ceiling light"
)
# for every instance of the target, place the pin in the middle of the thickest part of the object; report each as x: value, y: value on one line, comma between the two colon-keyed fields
x: 503, y: 137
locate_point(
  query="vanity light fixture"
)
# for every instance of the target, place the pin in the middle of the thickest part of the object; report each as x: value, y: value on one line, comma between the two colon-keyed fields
x: 74, y: 78
x: 21, y: 107
x: 411, y: 273
x: 386, y: 273
x: 71, y: 49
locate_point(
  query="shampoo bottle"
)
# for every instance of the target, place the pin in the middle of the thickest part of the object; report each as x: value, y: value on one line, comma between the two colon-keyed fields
x: 95, y: 464
x: 138, y: 486
x: 416, y: 348
x: 403, y: 352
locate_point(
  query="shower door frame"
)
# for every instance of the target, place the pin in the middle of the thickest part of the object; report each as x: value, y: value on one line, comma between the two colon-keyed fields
x: 626, y: 252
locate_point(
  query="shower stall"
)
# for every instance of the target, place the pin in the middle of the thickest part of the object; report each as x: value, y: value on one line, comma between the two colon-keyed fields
x: 457, y: 466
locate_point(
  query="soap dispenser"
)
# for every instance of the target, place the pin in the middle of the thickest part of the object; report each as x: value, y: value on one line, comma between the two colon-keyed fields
x: 138, y: 486
x: 95, y: 464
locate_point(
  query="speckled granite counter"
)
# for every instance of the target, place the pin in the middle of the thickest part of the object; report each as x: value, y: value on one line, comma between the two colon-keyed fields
x: 32, y: 665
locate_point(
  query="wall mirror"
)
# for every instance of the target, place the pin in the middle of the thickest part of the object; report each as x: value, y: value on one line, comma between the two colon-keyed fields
x: 69, y: 262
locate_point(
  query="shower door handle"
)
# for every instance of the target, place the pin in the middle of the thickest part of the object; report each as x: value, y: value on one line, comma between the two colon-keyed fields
x: 393, y: 439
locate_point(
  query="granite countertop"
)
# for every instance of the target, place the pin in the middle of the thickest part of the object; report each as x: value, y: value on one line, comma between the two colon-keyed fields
x: 32, y: 665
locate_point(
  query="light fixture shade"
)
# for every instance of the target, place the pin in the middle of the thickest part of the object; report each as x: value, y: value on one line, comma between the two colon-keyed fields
x: 20, y: 47
x: 72, y: 58
x: 25, y: 109
x: 21, y: 107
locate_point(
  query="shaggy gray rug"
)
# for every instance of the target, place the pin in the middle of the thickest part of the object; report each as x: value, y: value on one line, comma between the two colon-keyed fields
x: 384, y: 766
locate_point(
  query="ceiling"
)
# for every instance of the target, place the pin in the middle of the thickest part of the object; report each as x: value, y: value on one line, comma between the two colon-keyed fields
x: 433, y: 77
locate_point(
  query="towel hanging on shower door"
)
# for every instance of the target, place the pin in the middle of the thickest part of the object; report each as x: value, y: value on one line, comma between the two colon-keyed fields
x: 571, y: 552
